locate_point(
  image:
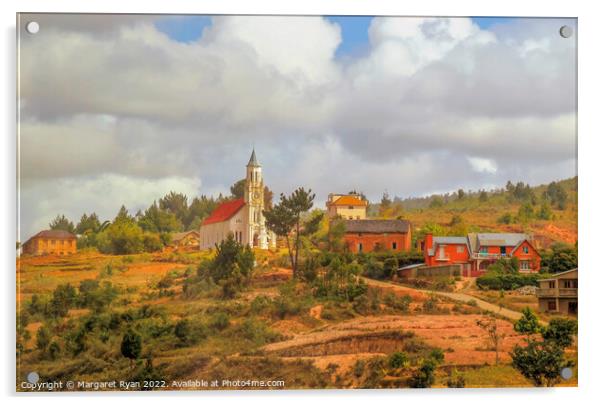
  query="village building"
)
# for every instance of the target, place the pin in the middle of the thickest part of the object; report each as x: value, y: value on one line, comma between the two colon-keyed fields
x: 51, y: 242
x: 243, y: 217
x: 477, y: 251
x: 559, y: 293
x: 346, y: 206
x: 185, y: 240
x: 368, y: 235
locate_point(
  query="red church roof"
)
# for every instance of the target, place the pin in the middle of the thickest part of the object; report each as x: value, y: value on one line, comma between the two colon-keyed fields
x: 224, y: 211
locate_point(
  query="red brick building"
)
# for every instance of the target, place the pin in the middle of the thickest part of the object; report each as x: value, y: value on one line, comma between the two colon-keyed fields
x: 477, y: 251
x: 367, y: 235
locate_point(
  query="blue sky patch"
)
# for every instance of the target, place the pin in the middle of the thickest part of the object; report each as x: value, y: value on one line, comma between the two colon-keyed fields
x: 184, y: 28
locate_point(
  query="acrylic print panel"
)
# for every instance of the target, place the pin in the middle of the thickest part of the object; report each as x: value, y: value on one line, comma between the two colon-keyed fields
x: 288, y: 202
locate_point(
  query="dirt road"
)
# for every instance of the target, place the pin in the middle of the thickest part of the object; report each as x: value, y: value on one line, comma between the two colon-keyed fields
x: 456, y: 296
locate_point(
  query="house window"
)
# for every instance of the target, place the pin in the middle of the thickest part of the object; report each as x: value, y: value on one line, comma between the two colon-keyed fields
x: 525, y: 249
x: 394, y: 246
x: 525, y: 265
x: 442, y: 252
x: 351, y: 207
x: 503, y: 250
x: 360, y: 247
x: 483, y: 250
x: 460, y: 249
x: 551, y: 284
x: 551, y: 305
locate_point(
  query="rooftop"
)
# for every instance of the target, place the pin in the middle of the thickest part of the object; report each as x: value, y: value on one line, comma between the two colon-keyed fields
x: 377, y: 226
x: 224, y: 211
x: 349, y: 200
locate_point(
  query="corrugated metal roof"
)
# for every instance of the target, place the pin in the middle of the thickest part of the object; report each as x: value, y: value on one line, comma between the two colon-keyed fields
x: 451, y: 240
x: 377, y: 226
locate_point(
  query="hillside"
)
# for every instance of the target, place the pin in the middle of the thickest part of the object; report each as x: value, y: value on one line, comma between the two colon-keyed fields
x: 483, y: 211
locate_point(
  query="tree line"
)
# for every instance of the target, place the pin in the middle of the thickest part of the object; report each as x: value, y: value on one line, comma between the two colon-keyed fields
x: 150, y: 229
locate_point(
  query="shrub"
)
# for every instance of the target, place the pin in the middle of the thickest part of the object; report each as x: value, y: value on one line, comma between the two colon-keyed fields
x: 456, y: 380
x: 189, y: 333
x: 424, y: 376
x: 496, y: 281
x: 398, y: 360
x: 359, y: 367
x: 131, y: 345
x: 220, y: 321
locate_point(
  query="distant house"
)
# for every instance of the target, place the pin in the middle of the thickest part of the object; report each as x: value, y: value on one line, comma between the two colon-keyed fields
x: 477, y: 251
x: 367, y: 235
x: 51, y: 243
x: 190, y: 239
x: 346, y: 206
x: 559, y: 293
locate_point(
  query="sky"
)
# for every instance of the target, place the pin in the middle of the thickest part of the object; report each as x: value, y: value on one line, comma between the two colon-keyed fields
x: 122, y: 109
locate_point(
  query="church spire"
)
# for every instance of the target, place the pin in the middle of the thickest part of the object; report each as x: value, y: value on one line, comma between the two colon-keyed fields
x: 253, y: 160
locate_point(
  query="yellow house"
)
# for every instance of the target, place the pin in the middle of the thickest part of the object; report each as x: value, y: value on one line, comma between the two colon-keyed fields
x: 51, y: 243
x: 346, y: 206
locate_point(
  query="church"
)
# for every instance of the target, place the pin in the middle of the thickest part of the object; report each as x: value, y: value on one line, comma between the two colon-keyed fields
x: 243, y: 217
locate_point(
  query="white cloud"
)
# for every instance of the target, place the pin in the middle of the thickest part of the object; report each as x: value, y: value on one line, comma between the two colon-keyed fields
x: 105, y: 194
x: 434, y: 104
x: 482, y: 165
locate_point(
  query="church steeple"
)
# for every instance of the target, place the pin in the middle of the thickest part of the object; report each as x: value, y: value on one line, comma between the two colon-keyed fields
x: 253, y: 160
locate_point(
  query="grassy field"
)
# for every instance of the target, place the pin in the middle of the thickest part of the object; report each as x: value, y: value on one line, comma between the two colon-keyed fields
x: 276, y: 329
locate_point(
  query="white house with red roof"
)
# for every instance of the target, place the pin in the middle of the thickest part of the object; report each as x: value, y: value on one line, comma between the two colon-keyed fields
x: 243, y: 217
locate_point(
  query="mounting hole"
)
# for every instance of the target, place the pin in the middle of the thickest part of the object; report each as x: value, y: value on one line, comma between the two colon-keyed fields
x: 32, y: 27
x: 566, y: 31
x: 33, y: 377
x: 566, y: 373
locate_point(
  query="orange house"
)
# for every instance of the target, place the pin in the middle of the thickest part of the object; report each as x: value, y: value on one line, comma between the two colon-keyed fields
x: 477, y: 251
x: 370, y: 235
x: 346, y: 206
x: 51, y: 243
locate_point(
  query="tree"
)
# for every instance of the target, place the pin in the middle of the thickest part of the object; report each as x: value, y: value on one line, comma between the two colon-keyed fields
x: 560, y: 331
x: 231, y: 267
x: 424, y: 376
x: 542, y: 360
x: 561, y: 257
x: 385, y: 201
x: 483, y: 197
x: 526, y: 212
x: 63, y: 298
x: 285, y: 217
x: 42, y: 338
x: 159, y: 220
x: 489, y: 325
x: 61, y: 223
x: 336, y: 233
x: 461, y: 194
x: 528, y: 324
x: 556, y: 194
x: 88, y: 224
x: 238, y: 189
x: 123, y: 236
x: 123, y: 215
x: 436, y: 202
x: 545, y: 211
x: 505, y: 266
x: 176, y: 204
x: 131, y: 346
